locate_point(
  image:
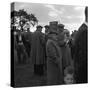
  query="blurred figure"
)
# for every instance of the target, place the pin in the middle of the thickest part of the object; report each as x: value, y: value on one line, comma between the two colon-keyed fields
x: 69, y: 75
x: 47, y: 28
x: 67, y: 35
x: 21, y: 52
x: 13, y: 40
x: 54, y: 57
x: 27, y: 37
x: 66, y: 53
x: 81, y: 52
x: 72, y: 43
x: 37, y: 51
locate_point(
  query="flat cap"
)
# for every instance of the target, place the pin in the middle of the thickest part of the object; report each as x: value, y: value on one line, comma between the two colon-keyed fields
x: 55, y: 23
x: 60, y: 25
x: 39, y: 26
x: 46, y: 26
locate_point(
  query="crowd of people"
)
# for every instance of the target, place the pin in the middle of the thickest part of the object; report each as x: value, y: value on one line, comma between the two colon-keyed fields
x: 57, y: 54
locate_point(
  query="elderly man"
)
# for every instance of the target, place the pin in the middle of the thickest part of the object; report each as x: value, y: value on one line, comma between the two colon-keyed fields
x: 37, y: 51
x: 54, y: 57
x: 66, y: 53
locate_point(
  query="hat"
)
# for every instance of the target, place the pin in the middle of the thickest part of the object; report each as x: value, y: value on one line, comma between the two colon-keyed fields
x: 53, y: 23
x: 53, y: 26
x: 46, y: 26
x: 66, y: 31
x: 39, y: 26
x: 60, y: 25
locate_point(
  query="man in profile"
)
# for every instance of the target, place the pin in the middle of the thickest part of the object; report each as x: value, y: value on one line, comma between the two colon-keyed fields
x: 80, y: 57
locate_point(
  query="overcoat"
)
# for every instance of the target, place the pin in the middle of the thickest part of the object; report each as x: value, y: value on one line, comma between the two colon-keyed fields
x: 66, y: 56
x: 37, y: 48
x: 65, y: 50
x: 54, y: 63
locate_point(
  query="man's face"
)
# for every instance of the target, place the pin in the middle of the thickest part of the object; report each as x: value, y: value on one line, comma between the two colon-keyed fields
x: 46, y: 30
x: 60, y: 30
x: 40, y: 29
x: 68, y: 79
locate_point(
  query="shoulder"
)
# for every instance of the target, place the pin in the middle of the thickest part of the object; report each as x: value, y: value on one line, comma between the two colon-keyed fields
x: 82, y: 30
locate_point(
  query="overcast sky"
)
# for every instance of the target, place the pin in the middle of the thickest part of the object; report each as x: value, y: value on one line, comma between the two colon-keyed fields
x: 71, y: 16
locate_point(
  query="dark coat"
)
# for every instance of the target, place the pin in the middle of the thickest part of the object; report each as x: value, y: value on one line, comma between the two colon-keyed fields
x: 27, y: 38
x: 66, y: 56
x: 54, y: 63
x: 81, y: 54
x: 66, y: 52
x: 37, y: 48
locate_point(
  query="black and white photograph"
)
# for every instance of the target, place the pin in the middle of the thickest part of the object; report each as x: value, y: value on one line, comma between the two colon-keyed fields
x: 49, y: 44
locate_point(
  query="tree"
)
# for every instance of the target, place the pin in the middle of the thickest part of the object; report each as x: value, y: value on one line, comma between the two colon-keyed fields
x: 21, y: 18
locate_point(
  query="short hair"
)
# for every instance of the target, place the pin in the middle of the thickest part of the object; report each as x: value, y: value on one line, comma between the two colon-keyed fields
x: 68, y: 70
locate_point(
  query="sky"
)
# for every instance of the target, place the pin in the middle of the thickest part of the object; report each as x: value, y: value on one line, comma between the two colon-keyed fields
x: 71, y: 16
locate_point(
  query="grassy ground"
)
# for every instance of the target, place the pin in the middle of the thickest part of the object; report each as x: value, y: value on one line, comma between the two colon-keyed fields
x: 24, y: 76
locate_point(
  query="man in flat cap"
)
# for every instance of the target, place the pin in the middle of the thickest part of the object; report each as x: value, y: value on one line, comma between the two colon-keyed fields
x: 60, y: 28
x: 46, y: 38
x: 46, y: 29
x: 61, y: 33
x: 39, y: 27
x: 61, y: 25
x: 81, y: 52
x: 66, y: 55
x: 37, y: 51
